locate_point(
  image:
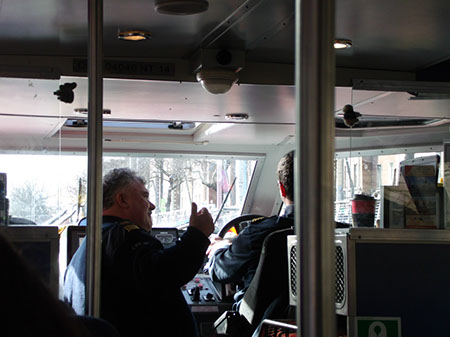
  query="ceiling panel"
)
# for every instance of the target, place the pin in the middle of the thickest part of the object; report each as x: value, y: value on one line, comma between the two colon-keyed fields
x: 386, y: 34
x: 174, y: 101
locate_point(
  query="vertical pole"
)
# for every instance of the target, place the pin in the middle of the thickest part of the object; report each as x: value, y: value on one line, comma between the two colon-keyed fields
x: 446, y: 177
x: 95, y: 154
x: 315, y: 71
x: 219, y: 191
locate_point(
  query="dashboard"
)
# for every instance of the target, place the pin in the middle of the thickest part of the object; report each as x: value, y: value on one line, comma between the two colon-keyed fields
x: 206, y: 301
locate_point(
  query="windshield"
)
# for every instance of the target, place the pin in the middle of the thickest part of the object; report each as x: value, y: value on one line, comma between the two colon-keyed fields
x: 221, y: 185
x: 51, y: 189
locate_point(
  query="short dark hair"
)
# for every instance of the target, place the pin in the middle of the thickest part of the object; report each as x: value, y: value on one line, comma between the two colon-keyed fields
x: 285, y: 174
x: 114, y: 181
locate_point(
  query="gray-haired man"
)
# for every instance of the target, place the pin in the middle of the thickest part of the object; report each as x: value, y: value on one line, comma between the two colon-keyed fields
x: 140, y: 280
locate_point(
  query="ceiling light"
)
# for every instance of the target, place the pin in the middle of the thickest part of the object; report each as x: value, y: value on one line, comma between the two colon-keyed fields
x: 217, y: 81
x: 342, y: 44
x: 214, y: 128
x: 134, y: 35
x: 181, y: 7
x: 236, y: 117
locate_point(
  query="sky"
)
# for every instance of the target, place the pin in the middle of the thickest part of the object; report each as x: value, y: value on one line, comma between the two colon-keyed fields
x: 52, y: 172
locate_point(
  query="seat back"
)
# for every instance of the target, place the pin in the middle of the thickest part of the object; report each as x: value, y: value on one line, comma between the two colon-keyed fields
x: 96, y: 327
x: 268, y: 293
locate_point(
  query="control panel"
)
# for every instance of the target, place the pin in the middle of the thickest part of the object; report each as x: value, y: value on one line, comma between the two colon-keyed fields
x: 201, y: 292
x: 205, y: 302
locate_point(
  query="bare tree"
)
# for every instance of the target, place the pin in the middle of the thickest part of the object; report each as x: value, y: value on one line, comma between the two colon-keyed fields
x: 112, y: 163
x: 207, y: 172
x: 173, y: 172
x: 30, y: 201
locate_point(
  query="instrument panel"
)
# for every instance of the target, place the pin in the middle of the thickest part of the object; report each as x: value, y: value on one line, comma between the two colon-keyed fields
x: 205, y: 302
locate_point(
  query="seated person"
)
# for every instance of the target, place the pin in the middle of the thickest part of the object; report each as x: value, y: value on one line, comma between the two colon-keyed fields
x: 140, y: 280
x: 238, y: 261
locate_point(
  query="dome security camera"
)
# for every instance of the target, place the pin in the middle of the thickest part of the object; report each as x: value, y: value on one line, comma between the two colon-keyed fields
x: 217, y: 81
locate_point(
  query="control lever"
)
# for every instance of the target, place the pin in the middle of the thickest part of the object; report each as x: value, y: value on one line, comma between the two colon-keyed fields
x: 196, y: 294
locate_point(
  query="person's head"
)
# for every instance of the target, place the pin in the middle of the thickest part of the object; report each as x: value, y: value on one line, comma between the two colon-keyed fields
x: 285, y: 175
x: 125, y: 196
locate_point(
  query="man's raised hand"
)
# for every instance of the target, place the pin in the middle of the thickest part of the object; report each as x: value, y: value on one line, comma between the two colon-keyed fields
x: 201, y: 220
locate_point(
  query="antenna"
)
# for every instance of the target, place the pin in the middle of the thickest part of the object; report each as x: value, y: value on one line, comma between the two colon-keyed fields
x: 225, y: 200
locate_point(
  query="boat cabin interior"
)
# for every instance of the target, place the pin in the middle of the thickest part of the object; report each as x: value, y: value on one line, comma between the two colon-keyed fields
x: 209, y: 95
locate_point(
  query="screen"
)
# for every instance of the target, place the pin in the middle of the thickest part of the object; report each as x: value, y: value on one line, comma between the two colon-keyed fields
x: 167, y: 236
x: 38, y: 256
x: 39, y: 246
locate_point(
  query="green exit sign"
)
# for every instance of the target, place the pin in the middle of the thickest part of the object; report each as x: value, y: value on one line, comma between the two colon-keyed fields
x: 377, y: 326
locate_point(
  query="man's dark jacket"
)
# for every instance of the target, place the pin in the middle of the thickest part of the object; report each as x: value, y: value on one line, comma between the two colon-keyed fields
x: 238, y: 262
x: 140, y: 280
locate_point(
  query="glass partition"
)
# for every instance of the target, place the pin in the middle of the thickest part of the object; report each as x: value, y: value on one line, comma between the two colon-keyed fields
x: 386, y: 149
x: 40, y: 177
x: 368, y: 175
x: 41, y: 184
x: 43, y: 147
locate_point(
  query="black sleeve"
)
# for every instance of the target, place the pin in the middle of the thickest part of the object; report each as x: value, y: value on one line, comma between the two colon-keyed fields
x: 231, y: 263
x: 177, y: 264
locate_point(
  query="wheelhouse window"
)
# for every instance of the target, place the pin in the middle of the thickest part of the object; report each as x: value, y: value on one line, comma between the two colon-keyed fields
x: 175, y: 182
x: 51, y: 189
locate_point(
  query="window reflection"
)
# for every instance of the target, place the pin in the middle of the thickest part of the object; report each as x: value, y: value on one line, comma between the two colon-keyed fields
x: 366, y: 175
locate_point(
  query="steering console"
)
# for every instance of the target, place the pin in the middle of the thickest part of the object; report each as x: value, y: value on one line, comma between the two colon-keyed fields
x: 236, y: 223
